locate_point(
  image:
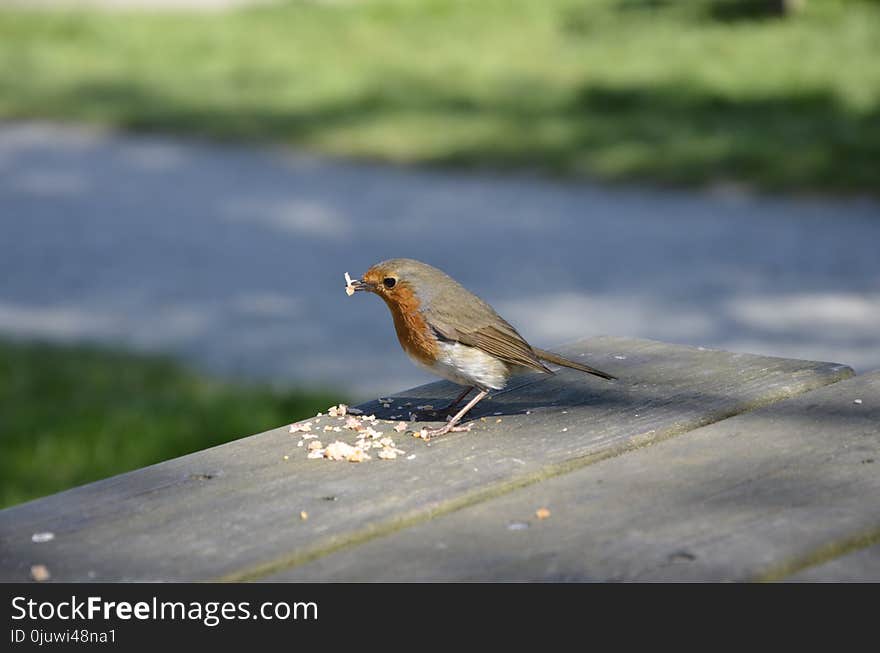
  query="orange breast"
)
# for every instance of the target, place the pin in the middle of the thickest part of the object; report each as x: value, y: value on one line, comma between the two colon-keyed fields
x: 413, y: 332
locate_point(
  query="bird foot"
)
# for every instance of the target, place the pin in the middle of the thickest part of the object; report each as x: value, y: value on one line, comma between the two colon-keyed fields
x: 427, y: 434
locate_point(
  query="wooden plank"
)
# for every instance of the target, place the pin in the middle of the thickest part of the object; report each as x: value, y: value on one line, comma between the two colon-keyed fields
x: 757, y: 496
x: 861, y: 566
x: 233, y: 512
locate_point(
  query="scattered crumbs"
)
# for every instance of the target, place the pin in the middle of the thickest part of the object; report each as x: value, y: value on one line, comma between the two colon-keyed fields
x: 340, y: 450
x: 367, y: 437
x: 564, y: 429
x: 498, y: 420
x: 528, y: 412
x: 319, y: 415
x: 42, y: 537
x: 857, y: 401
x: 300, y: 427
x: 425, y: 407
x: 286, y: 457
x: 303, y: 515
x: 517, y: 525
x: 412, y: 456
x: 40, y: 573
x: 542, y: 513
x: 564, y: 412
x: 620, y: 358
x: 518, y: 461
x: 337, y: 411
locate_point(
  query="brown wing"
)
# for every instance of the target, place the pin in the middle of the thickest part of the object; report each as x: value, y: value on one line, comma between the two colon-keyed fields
x: 476, y: 324
x: 505, y: 344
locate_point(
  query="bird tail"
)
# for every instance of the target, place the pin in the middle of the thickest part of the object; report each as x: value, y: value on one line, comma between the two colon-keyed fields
x: 550, y: 357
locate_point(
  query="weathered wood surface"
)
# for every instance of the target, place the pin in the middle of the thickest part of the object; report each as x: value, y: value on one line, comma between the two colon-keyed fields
x: 232, y: 512
x: 863, y: 565
x: 757, y: 496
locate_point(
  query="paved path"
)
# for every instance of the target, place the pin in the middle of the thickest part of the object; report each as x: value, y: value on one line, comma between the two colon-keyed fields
x: 233, y: 257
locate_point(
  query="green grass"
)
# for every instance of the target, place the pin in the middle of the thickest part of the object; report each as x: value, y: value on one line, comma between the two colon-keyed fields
x: 70, y: 415
x: 677, y: 92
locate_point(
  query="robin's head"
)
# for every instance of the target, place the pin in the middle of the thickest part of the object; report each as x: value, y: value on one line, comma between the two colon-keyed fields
x: 403, y: 281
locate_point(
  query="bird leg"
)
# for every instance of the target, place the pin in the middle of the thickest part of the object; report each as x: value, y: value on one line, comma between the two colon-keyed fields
x: 456, y: 401
x: 438, y: 412
x: 451, y: 424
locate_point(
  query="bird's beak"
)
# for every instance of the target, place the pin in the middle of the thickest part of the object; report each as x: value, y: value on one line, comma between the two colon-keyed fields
x: 360, y: 285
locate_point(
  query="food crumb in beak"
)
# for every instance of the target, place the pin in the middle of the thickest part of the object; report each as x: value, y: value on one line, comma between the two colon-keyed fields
x: 349, y: 285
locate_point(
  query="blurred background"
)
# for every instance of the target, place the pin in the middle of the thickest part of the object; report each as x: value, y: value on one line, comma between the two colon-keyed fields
x: 183, y: 184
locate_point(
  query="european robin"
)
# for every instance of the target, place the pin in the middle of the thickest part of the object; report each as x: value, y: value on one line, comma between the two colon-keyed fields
x: 449, y: 331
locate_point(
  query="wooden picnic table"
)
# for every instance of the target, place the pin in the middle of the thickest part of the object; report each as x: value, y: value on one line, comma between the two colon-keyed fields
x: 696, y: 465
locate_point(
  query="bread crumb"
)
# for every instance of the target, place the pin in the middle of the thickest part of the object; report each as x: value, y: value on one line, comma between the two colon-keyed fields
x: 340, y: 450
x: 349, y: 285
x: 542, y: 513
x: 40, y: 573
x: 300, y: 427
x: 373, y: 433
x: 400, y: 427
x: 303, y: 515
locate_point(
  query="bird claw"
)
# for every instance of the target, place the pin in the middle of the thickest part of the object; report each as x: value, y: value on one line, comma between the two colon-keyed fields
x: 427, y: 434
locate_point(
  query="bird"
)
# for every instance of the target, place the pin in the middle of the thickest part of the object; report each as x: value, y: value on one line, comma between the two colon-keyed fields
x: 449, y: 331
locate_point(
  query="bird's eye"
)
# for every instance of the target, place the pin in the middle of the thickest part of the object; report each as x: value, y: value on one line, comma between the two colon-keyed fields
x: 389, y: 282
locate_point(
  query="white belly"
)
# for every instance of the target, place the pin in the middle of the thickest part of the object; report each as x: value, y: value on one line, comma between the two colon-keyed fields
x: 468, y: 366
